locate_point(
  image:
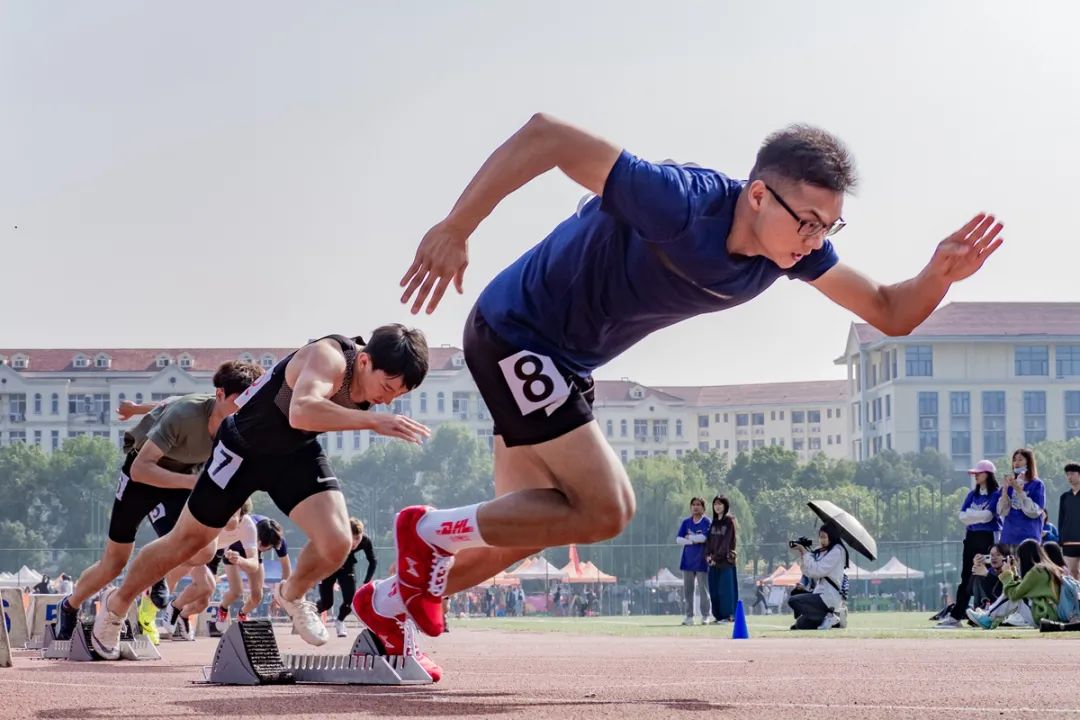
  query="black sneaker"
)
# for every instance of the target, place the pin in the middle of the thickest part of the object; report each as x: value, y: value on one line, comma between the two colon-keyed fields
x: 159, y: 594
x: 67, y: 620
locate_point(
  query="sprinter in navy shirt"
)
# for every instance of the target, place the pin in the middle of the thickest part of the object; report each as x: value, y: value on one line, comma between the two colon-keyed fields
x: 660, y: 243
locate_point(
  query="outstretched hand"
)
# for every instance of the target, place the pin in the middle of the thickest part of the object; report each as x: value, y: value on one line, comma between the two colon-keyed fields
x: 962, y: 254
x: 441, y: 258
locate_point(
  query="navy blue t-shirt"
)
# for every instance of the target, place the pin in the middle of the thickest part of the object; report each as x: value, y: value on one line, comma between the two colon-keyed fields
x: 594, y: 287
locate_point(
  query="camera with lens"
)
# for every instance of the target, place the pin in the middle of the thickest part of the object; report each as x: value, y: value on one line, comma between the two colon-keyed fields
x: 804, y: 541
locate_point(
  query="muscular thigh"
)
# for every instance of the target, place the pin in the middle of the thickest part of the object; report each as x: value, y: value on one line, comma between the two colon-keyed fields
x: 519, y: 468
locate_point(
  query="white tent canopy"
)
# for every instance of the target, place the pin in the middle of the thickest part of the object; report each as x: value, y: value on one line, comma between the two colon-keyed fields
x: 896, y: 570
x: 664, y: 578
x: 537, y: 568
x: 854, y: 572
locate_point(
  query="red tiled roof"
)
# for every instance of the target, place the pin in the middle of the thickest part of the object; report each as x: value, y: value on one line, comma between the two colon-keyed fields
x: 982, y: 319
x: 145, y: 359
x: 619, y: 391
x: 817, y: 391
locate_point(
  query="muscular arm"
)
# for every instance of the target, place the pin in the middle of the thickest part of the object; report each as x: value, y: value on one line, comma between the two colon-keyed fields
x: 542, y: 144
x: 145, y: 469
x: 314, y: 373
x: 899, y: 308
x: 286, y: 568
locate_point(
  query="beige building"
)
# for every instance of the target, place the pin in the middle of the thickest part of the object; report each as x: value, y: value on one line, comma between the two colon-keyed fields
x: 807, y: 417
x: 975, y: 380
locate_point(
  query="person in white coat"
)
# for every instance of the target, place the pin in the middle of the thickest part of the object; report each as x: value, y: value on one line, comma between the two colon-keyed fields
x: 817, y: 608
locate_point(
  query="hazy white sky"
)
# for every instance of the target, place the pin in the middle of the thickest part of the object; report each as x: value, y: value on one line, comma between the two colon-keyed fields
x: 258, y: 173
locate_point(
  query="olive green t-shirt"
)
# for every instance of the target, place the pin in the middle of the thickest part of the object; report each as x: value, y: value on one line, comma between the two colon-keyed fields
x: 179, y: 428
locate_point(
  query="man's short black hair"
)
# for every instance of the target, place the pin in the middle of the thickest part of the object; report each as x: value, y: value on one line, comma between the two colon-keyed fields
x: 235, y: 377
x: 269, y: 532
x: 1072, y: 467
x: 399, y: 352
x: 807, y: 154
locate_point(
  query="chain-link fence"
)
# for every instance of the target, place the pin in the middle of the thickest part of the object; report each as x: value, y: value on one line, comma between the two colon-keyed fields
x: 628, y: 579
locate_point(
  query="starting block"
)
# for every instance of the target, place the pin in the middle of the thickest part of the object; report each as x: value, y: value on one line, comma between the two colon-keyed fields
x: 248, y: 654
x: 5, y: 646
x: 80, y: 649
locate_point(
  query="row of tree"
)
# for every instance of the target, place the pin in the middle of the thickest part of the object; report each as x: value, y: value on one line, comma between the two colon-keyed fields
x: 63, y: 500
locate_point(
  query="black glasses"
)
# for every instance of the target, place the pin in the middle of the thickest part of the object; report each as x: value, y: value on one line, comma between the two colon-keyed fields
x: 809, y: 228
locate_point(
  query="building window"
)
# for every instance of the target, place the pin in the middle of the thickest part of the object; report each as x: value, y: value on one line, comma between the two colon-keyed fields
x: 54, y: 404
x: 742, y: 420
x: 813, y: 417
x: 461, y: 404
x: 919, y: 361
x: 247, y: 358
x: 888, y: 406
x: 102, y: 361
x: 120, y: 439
x: 758, y: 443
x: 163, y: 361
x: 1072, y: 414
x: 186, y: 362
x: 703, y: 421
x: 725, y: 417
x: 1032, y: 360
x: 813, y: 443
x: 678, y: 428
x: 267, y: 361
x: 1034, y: 416
x: 1068, y: 360
x: 423, y: 403
x: 660, y: 430
x: 403, y: 405
x: 742, y: 446
x: 20, y: 362
x: 798, y: 417
x: 622, y: 428
x: 928, y: 421
x: 356, y: 440
x: 828, y: 413
x: 37, y: 403
x: 993, y: 421
x: 610, y: 428
x: 37, y: 438
x: 81, y: 361
x: 798, y: 444
x: 757, y: 419
x: 95, y: 405
x: 339, y: 440
x: 440, y: 403
x: 829, y: 441
x: 54, y: 438
x: 960, y: 429
x: 702, y: 446
x: 641, y: 429
x: 138, y: 398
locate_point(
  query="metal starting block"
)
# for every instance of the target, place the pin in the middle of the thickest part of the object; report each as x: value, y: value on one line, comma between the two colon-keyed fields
x: 248, y: 654
x: 80, y: 649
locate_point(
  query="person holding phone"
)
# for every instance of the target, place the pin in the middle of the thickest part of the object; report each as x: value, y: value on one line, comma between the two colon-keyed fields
x: 986, y: 575
x: 1022, y: 501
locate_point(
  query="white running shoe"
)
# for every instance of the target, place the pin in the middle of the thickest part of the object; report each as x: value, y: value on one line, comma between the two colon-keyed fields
x: 831, y: 620
x: 105, y: 636
x: 688, y: 621
x: 948, y: 622
x: 305, y: 620
x: 340, y: 626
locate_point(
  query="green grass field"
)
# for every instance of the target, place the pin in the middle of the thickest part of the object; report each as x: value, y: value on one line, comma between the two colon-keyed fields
x: 860, y: 625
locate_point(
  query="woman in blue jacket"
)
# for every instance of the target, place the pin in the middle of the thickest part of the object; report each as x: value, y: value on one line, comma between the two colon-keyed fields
x: 1022, y: 501
x: 979, y: 514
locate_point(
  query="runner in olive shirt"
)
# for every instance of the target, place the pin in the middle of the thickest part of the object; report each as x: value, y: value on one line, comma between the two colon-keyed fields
x: 164, y: 454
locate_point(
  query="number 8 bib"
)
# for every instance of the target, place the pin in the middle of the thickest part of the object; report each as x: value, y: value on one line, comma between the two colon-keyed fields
x: 534, y: 381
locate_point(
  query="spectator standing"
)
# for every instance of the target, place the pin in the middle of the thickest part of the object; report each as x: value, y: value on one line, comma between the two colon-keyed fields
x: 720, y: 557
x: 979, y: 514
x: 1022, y: 501
x: 692, y: 535
x: 1069, y: 520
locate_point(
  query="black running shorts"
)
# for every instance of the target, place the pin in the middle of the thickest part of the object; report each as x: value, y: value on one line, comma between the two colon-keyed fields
x: 219, y: 556
x: 532, y: 398
x: 236, y: 471
x: 1070, y: 550
x: 135, y: 501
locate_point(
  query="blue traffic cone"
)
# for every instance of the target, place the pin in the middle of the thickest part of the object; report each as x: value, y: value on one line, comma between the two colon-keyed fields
x: 739, y: 630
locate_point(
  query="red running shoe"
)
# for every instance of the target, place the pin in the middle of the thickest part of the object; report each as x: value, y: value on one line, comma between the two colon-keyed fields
x: 422, y: 572
x: 222, y: 614
x: 389, y: 630
x: 242, y: 616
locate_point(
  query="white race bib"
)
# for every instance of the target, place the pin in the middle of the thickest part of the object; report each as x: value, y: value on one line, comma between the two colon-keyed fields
x: 121, y: 485
x: 223, y: 465
x: 534, y: 381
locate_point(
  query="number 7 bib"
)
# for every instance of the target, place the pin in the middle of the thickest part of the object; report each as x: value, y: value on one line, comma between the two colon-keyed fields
x: 534, y: 381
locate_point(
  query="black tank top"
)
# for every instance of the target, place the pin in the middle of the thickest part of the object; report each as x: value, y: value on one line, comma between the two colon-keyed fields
x: 262, y: 422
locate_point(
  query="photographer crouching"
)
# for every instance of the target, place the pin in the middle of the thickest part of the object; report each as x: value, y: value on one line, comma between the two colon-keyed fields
x: 817, y: 605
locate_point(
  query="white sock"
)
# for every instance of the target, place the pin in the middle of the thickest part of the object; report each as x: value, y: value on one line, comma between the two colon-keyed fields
x: 387, y: 600
x: 452, y: 530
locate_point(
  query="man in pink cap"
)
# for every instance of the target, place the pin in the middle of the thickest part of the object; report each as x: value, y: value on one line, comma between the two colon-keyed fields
x: 979, y: 514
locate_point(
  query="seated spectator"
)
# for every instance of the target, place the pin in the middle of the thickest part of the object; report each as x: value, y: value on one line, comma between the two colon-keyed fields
x: 986, y: 576
x: 1032, y: 592
x: 819, y: 608
x: 1050, y: 533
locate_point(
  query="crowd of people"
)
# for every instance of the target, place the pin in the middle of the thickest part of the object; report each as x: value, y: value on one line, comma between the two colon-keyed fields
x: 1017, y: 568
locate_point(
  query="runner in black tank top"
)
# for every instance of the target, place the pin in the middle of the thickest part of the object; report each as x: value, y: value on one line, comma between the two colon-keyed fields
x: 271, y: 444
